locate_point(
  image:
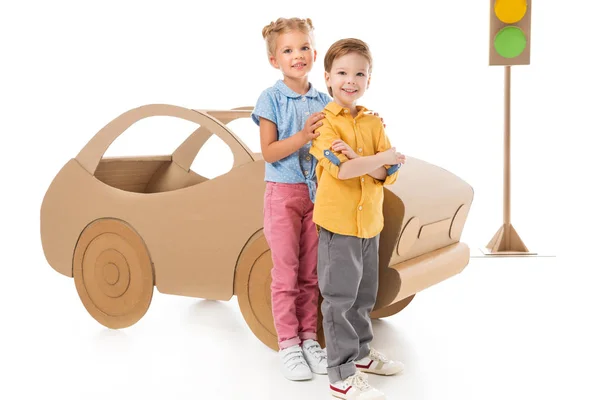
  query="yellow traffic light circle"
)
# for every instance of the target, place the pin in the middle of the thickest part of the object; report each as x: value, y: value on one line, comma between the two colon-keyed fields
x: 510, y: 11
x: 510, y: 42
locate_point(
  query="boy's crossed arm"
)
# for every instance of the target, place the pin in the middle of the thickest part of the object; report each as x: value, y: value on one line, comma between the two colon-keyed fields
x: 368, y: 165
x: 348, y: 165
x: 342, y: 147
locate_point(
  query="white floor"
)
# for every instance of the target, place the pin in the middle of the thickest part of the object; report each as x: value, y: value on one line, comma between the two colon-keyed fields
x: 513, y: 328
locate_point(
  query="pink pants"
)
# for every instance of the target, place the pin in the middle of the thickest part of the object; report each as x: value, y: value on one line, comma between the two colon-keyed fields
x: 292, y: 237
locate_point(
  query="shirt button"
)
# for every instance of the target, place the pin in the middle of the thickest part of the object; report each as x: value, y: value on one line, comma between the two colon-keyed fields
x: 346, y: 111
x: 362, y: 179
x: 360, y: 149
x: 326, y: 152
x: 359, y: 208
x: 305, y: 172
x: 304, y: 99
x: 307, y: 158
x: 306, y: 113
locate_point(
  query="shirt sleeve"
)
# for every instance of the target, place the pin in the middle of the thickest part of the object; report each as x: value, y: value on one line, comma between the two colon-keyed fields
x: 392, y: 170
x: 265, y: 108
x: 321, y: 149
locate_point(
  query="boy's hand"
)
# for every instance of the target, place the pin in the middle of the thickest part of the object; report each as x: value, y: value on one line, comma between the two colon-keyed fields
x: 312, y: 123
x: 341, y: 147
x: 391, y: 157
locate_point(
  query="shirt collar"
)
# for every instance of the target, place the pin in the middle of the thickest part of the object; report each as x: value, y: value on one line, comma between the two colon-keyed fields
x: 336, y: 109
x: 283, y: 88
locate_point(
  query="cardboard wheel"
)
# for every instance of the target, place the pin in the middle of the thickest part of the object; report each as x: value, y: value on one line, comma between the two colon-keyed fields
x: 393, y: 309
x: 113, y: 273
x: 253, y: 290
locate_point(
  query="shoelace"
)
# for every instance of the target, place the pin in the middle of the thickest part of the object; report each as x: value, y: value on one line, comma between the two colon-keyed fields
x: 378, y: 356
x: 316, y: 350
x: 359, y: 381
x: 293, y: 359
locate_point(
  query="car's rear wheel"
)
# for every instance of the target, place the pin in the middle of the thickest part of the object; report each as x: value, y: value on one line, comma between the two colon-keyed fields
x: 113, y: 273
x: 253, y: 290
x: 392, y: 309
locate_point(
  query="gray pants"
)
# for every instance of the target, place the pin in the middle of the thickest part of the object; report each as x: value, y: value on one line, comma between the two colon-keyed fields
x: 348, y: 270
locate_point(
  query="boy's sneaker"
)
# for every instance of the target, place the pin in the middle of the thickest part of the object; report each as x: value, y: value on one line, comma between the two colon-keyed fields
x: 293, y: 364
x: 377, y: 363
x: 315, y: 356
x: 355, y: 387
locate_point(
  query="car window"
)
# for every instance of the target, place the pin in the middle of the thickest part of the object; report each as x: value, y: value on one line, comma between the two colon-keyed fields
x: 248, y: 132
x: 214, y: 158
x: 151, y: 136
x: 161, y: 135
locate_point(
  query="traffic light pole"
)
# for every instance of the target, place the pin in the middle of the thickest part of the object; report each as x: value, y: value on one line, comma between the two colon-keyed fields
x: 506, y: 241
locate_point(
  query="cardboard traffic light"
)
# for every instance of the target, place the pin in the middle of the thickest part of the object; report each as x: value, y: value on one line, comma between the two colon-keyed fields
x: 510, y: 44
x: 510, y: 32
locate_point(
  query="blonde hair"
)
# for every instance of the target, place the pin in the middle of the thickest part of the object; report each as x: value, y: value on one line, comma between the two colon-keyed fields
x: 343, y: 47
x: 284, y: 25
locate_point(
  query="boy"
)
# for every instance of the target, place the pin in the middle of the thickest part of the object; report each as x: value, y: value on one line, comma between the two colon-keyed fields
x: 355, y: 160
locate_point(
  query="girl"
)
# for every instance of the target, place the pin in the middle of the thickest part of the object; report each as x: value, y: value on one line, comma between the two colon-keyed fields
x: 288, y: 113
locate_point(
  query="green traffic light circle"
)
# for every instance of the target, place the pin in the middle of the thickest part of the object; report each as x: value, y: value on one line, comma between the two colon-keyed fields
x: 510, y: 42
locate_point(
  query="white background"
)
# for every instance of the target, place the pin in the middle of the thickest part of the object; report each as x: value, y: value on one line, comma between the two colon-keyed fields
x: 509, y: 328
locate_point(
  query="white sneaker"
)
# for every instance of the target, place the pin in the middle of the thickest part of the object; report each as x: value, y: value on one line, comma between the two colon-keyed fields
x: 315, y: 356
x: 355, y: 387
x: 293, y: 364
x: 377, y: 363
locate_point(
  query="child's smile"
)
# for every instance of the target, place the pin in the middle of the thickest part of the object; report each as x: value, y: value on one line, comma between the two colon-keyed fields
x: 300, y: 65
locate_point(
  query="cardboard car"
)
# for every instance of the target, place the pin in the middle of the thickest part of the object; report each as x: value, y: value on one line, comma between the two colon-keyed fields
x: 121, y: 226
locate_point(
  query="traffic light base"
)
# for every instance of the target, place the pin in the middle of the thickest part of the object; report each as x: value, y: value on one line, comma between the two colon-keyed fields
x: 506, y: 242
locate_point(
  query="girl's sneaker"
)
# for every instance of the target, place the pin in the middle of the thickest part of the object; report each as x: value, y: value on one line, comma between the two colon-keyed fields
x: 315, y: 356
x: 355, y: 387
x: 377, y: 363
x: 293, y: 364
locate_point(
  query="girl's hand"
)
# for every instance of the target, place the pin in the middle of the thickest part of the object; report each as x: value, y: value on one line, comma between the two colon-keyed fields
x: 341, y: 147
x: 313, y: 122
x: 377, y: 115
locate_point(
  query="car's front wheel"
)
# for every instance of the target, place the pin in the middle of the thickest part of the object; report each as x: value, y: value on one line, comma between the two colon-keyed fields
x: 113, y: 273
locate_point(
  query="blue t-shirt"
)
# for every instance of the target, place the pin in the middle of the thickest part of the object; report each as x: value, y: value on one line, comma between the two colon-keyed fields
x: 289, y: 111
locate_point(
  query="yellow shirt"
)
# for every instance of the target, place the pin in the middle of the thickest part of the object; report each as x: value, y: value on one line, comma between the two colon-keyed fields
x: 352, y: 207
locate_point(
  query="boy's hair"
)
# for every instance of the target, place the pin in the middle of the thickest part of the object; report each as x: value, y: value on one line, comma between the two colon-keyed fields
x: 284, y: 25
x: 343, y: 47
